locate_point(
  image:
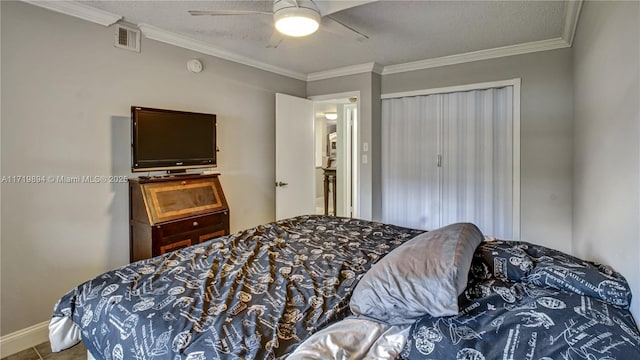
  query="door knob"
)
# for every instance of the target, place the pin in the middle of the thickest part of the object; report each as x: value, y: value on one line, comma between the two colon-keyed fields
x: 280, y: 183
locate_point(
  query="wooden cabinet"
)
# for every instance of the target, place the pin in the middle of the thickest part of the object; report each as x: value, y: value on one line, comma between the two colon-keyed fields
x: 170, y: 213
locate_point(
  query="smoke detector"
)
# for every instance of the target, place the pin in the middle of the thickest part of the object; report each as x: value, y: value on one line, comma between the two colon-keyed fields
x: 194, y: 66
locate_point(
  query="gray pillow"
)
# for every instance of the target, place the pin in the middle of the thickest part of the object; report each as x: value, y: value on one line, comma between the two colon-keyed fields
x: 423, y: 276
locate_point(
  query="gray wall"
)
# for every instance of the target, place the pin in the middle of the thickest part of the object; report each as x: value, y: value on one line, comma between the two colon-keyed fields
x: 607, y: 133
x: 66, y: 93
x: 546, y: 132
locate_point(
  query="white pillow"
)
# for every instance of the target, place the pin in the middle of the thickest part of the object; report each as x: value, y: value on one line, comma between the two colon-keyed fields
x: 423, y: 276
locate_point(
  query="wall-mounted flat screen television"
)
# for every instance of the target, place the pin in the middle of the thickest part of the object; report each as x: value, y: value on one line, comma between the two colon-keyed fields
x: 172, y: 141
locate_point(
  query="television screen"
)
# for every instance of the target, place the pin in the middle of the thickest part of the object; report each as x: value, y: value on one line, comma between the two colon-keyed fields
x: 172, y: 140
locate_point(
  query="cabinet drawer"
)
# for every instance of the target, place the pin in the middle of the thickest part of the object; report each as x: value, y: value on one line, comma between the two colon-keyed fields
x: 214, y: 221
x: 179, y: 199
x: 175, y: 245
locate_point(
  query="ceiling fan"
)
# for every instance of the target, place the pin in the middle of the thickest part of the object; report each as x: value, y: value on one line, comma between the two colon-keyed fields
x: 297, y: 18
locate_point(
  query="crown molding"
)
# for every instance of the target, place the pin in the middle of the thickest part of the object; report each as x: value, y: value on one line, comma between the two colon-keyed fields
x: 503, y: 51
x: 105, y: 18
x: 377, y: 68
x: 344, y: 71
x: 79, y: 10
x: 571, y: 14
x: 186, y: 42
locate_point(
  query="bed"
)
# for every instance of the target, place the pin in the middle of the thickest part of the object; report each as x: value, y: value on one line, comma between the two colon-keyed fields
x: 255, y: 294
x: 525, y: 301
x: 322, y: 287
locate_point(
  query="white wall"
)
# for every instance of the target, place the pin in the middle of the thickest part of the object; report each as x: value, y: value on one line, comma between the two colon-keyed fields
x: 607, y: 133
x: 66, y: 94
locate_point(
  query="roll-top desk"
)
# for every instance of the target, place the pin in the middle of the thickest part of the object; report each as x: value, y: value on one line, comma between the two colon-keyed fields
x: 169, y: 213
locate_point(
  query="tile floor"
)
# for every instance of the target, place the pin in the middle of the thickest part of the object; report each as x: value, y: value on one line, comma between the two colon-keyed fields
x: 43, y: 352
x: 320, y: 206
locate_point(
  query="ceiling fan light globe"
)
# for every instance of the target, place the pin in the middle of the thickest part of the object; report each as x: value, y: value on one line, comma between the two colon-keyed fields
x: 297, y: 22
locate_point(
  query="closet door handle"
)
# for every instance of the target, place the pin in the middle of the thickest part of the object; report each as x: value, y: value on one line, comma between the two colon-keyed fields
x: 439, y: 161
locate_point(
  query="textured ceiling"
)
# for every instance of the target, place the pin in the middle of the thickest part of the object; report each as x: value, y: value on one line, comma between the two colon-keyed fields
x: 399, y: 31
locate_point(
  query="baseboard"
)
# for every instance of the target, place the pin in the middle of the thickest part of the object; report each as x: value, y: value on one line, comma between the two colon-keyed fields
x: 24, y: 339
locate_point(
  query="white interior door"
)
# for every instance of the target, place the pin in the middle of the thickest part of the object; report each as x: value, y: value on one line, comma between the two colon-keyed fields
x: 294, y: 157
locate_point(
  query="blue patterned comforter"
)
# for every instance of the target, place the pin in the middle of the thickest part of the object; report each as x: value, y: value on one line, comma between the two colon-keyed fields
x: 528, y: 302
x: 255, y: 294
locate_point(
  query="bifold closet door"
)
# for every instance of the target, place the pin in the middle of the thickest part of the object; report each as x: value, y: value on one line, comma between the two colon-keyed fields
x: 477, y: 160
x: 410, y: 148
x: 449, y: 158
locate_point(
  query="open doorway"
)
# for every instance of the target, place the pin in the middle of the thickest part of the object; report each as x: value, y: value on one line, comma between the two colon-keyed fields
x: 336, y: 185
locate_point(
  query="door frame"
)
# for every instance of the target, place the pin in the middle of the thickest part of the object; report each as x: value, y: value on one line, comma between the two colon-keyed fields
x: 350, y: 116
x: 355, y: 148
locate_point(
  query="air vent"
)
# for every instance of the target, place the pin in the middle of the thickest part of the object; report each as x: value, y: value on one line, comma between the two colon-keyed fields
x: 127, y: 38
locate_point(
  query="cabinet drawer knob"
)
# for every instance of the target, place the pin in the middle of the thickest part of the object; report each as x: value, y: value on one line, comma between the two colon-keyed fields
x: 184, y: 183
x: 195, y: 223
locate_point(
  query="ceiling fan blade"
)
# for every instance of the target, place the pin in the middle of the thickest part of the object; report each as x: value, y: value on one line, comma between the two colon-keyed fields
x: 275, y: 40
x: 228, y: 12
x: 341, y: 27
x: 327, y: 7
